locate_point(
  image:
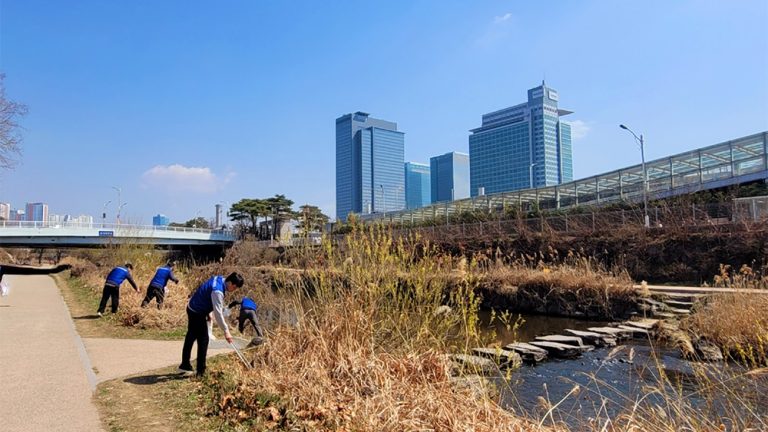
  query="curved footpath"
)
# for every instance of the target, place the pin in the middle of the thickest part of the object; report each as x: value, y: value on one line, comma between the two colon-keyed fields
x: 48, y: 373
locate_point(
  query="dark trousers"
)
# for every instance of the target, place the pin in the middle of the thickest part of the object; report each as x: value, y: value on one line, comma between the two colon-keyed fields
x: 110, y: 291
x: 154, y: 292
x: 248, y: 315
x: 197, y: 331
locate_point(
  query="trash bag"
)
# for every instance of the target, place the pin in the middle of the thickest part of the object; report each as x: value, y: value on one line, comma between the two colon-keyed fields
x: 4, y: 289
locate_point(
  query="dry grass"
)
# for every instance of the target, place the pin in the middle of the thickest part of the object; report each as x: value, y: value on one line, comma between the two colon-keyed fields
x: 363, y: 352
x: 738, y: 323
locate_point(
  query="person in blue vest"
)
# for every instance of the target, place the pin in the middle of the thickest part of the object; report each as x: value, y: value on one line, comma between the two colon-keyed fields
x: 207, y: 298
x: 156, y: 288
x: 112, y: 287
x: 247, y: 313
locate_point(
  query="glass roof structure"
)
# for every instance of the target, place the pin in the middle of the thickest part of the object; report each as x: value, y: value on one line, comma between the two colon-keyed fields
x: 728, y: 163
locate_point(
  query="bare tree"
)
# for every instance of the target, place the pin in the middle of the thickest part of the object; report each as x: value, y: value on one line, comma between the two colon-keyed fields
x: 10, y: 136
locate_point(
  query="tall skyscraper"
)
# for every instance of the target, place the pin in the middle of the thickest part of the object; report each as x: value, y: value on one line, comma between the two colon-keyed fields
x: 449, y: 176
x: 522, y: 146
x: 370, y: 154
x: 37, y: 212
x: 418, y: 191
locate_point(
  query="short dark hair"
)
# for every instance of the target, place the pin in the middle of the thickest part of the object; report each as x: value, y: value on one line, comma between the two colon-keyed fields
x: 171, y: 263
x: 236, y: 279
x: 129, y: 266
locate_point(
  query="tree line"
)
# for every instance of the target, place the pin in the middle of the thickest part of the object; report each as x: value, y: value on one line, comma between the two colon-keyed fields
x: 263, y: 217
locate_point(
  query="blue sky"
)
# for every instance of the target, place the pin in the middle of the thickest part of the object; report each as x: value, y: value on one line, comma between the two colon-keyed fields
x: 183, y: 104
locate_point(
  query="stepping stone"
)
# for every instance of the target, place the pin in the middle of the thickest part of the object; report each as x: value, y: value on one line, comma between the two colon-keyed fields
x: 647, y: 324
x: 529, y: 353
x: 568, y: 340
x: 636, y: 331
x: 503, y: 357
x: 559, y: 350
x: 665, y: 315
x: 678, y: 311
x: 679, y: 304
x: 596, y: 339
x: 654, y: 303
x: 613, y: 331
x: 473, y: 363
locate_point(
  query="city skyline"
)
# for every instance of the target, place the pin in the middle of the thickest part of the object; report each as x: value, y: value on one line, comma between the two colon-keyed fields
x: 181, y: 112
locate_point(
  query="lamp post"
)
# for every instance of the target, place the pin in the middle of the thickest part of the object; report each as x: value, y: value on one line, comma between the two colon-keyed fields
x: 119, y: 205
x: 530, y: 173
x: 645, y: 174
x: 104, y: 213
x: 118, y: 211
x: 383, y: 200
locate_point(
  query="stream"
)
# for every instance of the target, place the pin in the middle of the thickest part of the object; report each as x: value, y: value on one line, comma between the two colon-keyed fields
x: 608, y: 382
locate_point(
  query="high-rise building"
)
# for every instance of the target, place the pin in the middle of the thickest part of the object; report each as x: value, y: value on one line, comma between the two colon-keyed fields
x: 370, y: 154
x: 449, y: 176
x: 37, y: 212
x: 160, y: 220
x: 523, y: 146
x: 418, y: 192
x: 5, y: 211
x: 18, y: 215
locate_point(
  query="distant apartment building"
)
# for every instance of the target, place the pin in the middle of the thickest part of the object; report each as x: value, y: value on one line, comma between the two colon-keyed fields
x: 18, y: 215
x: 449, y: 176
x: 160, y: 220
x: 5, y: 211
x: 37, y: 212
x: 523, y: 146
x: 418, y: 191
x: 370, y: 154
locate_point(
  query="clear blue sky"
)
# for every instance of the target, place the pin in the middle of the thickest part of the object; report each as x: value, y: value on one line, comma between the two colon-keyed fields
x: 184, y: 104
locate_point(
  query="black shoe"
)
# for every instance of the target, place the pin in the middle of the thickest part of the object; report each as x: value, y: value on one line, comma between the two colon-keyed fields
x: 185, y: 370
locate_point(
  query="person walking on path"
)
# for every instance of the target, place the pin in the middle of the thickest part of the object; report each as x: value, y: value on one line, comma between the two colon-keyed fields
x: 112, y: 287
x: 156, y: 288
x: 247, y: 313
x: 207, y: 298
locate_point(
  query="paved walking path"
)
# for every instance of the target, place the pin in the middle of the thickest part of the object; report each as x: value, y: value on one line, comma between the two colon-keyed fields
x: 48, y: 373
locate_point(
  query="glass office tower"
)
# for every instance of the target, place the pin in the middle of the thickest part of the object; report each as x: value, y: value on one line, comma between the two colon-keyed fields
x: 449, y: 176
x: 418, y: 192
x: 523, y: 146
x: 370, y: 154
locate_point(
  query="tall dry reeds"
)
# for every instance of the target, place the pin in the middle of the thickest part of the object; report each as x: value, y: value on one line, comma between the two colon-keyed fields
x: 364, y: 352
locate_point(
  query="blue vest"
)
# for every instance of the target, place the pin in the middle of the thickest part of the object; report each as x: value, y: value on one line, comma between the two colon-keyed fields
x: 248, y: 303
x: 161, y: 277
x: 117, y: 276
x: 201, y: 299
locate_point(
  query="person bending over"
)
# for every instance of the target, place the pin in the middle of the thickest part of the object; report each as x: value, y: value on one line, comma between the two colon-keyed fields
x: 157, y: 285
x: 112, y: 287
x: 207, y: 298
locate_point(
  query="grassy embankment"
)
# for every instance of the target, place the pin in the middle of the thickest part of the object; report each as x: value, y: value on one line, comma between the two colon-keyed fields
x: 354, y: 347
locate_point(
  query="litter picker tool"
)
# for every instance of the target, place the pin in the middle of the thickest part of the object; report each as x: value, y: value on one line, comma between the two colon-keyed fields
x: 240, y: 355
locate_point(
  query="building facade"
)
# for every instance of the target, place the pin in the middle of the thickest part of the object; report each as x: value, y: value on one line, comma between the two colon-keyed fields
x: 523, y: 146
x: 370, y: 154
x: 160, y: 220
x: 418, y: 189
x: 449, y: 176
x: 37, y: 212
x: 5, y: 211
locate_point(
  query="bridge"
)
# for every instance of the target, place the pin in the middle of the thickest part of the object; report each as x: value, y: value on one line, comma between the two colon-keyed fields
x: 44, y: 234
x: 730, y: 163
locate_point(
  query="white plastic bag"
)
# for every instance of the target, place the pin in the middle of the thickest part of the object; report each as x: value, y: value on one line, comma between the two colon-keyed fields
x: 4, y: 289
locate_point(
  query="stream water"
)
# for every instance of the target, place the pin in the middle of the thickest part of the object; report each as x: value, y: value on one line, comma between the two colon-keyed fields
x: 607, y: 382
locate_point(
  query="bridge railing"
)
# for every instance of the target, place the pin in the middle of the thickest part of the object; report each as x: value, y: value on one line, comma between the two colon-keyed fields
x: 109, y: 227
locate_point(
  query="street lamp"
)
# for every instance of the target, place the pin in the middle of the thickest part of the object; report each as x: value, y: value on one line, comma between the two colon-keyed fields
x: 383, y: 200
x: 119, y: 205
x: 120, y: 208
x: 530, y: 173
x: 645, y: 174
